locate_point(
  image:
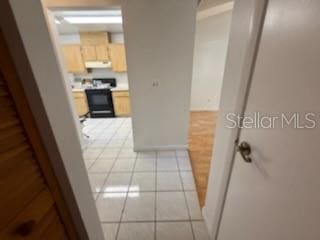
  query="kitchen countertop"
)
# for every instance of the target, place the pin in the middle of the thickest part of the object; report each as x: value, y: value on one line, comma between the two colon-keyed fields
x: 120, y: 88
x: 78, y: 90
x: 116, y: 89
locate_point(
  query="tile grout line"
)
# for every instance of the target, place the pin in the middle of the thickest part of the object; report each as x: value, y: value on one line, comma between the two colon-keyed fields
x: 108, y: 174
x: 98, y: 194
x: 127, y: 194
x: 185, y: 198
x: 102, y: 148
x: 97, y: 135
x: 118, y: 228
x: 96, y: 159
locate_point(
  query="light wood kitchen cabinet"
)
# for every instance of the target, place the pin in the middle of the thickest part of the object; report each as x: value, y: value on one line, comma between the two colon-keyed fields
x: 95, y: 46
x: 102, y: 52
x: 73, y: 58
x: 89, y: 52
x: 118, y: 57
x: 121, y: 103
x: 94, y: 38
x: 80, y: 101
x: 95, y: 52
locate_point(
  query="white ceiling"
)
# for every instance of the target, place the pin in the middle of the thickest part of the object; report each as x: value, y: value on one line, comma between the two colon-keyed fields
x: 66, y: 28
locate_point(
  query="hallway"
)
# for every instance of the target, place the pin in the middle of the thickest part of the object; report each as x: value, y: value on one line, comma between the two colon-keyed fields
x: 145, y: 195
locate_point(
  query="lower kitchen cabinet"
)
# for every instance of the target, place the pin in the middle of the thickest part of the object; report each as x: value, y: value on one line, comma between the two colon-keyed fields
x: 121, y: 103
x: 81, y: 104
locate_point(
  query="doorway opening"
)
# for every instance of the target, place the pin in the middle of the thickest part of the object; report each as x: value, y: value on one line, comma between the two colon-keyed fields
x: 150, y: 192
x: 93, y: 49
x: 92, y: 42
x: 211, y: 41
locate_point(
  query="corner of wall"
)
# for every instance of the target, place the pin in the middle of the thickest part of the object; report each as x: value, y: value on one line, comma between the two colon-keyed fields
x: 205, y: 218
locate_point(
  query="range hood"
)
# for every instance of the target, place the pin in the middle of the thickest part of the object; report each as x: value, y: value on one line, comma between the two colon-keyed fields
x: 98, y: 64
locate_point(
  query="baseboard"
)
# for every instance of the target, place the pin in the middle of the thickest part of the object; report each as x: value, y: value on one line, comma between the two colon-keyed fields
x: 160, y: 148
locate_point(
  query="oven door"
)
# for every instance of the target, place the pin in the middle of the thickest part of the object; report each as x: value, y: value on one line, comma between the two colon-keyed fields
x: 100, y: 102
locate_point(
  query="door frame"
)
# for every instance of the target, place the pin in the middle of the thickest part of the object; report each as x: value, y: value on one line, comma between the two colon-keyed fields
x: 30, y: 39
x: 247, y: 21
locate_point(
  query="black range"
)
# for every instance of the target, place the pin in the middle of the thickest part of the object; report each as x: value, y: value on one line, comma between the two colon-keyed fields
x: 100, y: 99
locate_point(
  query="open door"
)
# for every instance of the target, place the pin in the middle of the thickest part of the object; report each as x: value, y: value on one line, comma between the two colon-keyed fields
x: 277, y: 195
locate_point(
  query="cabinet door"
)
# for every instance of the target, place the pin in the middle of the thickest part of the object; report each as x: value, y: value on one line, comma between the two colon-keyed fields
x: 73, y: 58
x: 94, y: 38
x: 81, y: 103
x: 102, y: 52
x: 89, y: 52
x: 118, y: 57
x: 121, y: 103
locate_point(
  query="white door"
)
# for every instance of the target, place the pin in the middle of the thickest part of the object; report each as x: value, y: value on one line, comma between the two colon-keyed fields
x: 277, y: 196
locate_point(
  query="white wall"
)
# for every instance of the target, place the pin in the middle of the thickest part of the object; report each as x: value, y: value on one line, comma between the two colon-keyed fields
x: 117, y: 37
x: 212, y: 34
x: 122, y: 78
x: 159, y: 44
x: 69, y: 39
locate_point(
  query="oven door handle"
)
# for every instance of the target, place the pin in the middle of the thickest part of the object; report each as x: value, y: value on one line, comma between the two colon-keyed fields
x: 102, y: 111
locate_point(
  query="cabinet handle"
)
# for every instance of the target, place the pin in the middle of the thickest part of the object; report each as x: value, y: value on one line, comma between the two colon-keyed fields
x: 25, y: 228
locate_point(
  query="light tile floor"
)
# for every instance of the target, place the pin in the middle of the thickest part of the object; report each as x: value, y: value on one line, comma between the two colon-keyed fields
x: 144, y: 195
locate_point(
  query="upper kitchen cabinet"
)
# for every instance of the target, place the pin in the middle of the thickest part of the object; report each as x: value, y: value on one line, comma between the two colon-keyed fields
x: 95, y: 46
x: 94, y: 38
x: 102, y: 52
x: 73, y: 58
x: 118, y: 57
x: 89, y: 52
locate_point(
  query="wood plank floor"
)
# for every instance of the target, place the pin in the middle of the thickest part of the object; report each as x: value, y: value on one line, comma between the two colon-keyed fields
x: 201, y: 137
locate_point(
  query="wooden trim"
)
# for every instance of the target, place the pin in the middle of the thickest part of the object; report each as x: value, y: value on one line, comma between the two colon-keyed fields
x: 27, y: 119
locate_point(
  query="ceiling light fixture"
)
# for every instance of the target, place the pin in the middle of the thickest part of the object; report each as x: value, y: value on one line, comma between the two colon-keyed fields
x: 94, y: 20
x: 57, y: 21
